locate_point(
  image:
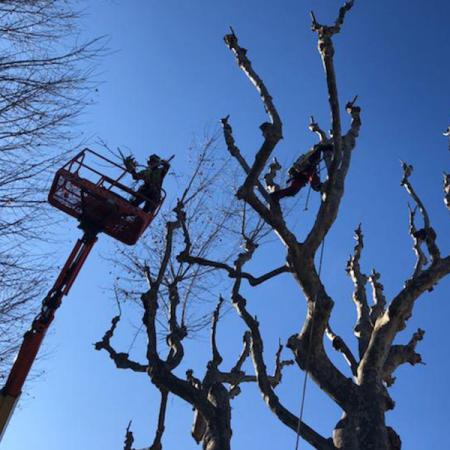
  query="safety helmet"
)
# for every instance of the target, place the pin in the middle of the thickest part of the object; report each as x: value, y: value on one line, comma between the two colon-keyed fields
x: 153, y: 159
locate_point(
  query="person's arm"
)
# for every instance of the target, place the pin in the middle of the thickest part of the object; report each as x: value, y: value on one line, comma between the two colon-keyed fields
x: 165, y: 166
x: 130, y: 165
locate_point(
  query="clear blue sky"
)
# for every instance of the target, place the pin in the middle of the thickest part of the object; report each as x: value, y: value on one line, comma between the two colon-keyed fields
x: 171, y: 77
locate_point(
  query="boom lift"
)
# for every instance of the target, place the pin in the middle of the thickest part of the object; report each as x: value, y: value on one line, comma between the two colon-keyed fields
x: 100, y: 204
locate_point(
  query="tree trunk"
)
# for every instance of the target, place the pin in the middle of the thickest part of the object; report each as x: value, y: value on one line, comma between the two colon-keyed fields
x: 218, y: 428
x: 364, y: 427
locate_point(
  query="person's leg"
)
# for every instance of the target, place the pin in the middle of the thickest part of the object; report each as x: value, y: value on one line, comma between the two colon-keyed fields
x: 315, y: 182
x: 291, y: 190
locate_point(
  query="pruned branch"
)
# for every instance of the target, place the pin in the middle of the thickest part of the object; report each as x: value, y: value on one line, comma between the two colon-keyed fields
x: 272, y: 131
x: 157, y: 445
x: 379, y: 300
x: 216, y: 357
x: 129, y: 438
x: 271, y: 399
x: 236, y: 153
x: 427, y: 233
x: 339, y: 345
x: 270, y: 176
x: 315, y: 128
x: 395, y: 317
x: 363, y: 327
x: 447, y: 190
x: 421, y: 260
x: 121, y: 360
x: 401, y: 354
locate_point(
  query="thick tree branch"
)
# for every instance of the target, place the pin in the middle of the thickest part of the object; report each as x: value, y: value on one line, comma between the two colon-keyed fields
x: 395, y: 317
x: 338, y: 167
x: 272, y: 132
x: 427, y: 233
x: 121, y: 360
x: 216, y: 357
x: 157, y: 445
x: 379, y: 300
x: 269, y: 396
x: 421, y: 260
x: 236, y: 153
x: 363, y: 327
x: 253, y: 281
x: 401, y: 354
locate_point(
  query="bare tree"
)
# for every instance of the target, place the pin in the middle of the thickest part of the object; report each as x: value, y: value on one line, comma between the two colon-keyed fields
x: 177, y: 285
x: 45, y: 81
x: 362, y: 393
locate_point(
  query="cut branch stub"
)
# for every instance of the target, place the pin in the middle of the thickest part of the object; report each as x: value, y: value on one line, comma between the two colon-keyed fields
x: 447, y: 190
x: 379, y: 300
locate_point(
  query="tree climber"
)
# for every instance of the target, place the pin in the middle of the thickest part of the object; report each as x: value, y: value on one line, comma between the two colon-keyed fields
x: 152, y: 177
x: 305, y: 170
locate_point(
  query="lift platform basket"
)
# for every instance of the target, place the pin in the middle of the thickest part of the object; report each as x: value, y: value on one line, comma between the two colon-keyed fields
x: 100, y: 202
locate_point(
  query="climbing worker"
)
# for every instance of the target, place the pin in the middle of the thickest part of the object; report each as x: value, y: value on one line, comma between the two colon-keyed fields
x: 152, y: 177
x: 305, y: 170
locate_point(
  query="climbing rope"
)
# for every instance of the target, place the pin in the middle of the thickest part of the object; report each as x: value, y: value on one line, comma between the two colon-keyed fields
x: 305, y: 379
x: 307, y: 198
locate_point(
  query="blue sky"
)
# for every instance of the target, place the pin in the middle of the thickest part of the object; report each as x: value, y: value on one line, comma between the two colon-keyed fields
x: 169, y: 77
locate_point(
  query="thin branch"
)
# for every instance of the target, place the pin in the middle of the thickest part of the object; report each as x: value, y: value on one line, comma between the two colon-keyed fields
x: 129, y: 438
x: 339, y: 345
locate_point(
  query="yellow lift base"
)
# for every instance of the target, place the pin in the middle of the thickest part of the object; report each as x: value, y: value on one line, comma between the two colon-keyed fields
x: 7, y: 405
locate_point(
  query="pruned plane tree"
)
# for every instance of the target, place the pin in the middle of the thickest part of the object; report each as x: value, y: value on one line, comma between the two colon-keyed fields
x: 362, y: 393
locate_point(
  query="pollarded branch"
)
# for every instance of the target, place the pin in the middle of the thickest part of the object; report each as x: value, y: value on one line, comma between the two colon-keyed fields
x: 236, y: 153
x: 379, y: 300
x: 314, y: 127
x: 270, y: 176
x: 395, y: 317
x: 427, y: 233
x: 421, y: 259
x: 401, y: 354
x: 339, y: 345
x: 157, y: 445
x: 265, y: 386
x: 216, y: 357
x: 326, y: 50
x: 129, y: 438
x: 355, y: 125
x: 447, y: 189
x: 121, y: 360
x: 363, y: 327
x: 272, y: 131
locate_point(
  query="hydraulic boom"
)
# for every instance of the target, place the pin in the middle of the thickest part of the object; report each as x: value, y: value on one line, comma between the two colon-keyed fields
x: 33, y: 338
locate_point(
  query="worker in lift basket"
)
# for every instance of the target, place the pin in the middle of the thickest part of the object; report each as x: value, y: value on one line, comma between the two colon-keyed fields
x: 152, y: 177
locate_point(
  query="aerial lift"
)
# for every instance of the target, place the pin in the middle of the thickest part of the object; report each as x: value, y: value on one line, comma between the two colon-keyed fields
x: 101, y: 204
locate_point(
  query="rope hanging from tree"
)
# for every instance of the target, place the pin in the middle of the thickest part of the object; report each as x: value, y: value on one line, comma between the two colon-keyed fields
x: 305, y: 379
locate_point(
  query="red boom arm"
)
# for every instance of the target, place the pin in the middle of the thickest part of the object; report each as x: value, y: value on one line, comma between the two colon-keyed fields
x: 33, y: 338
